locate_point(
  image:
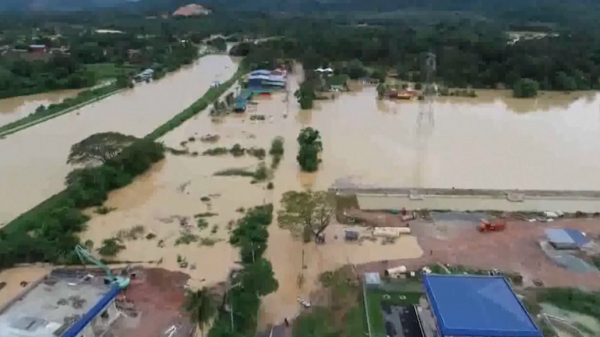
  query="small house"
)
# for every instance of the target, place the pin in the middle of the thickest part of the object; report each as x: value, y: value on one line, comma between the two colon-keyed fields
x: 37, y: 48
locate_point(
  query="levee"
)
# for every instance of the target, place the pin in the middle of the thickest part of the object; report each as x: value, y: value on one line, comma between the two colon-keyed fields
x: 474, y: 199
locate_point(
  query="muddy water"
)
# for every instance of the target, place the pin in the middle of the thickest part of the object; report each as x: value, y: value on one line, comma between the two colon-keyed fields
x: 34, y: 160
x: 367, y: 142
x: 14, y: 108
x: 12, y: 279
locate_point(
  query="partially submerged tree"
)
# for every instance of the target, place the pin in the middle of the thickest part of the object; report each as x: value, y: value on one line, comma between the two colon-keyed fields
x: 310, y: 143
x: 307, y: 213
x: 99, y: 147
x: 201, y: 306
x: 111, y: 247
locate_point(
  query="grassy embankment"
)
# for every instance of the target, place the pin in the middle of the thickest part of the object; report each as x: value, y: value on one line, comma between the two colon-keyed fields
x: 48, y: 232
x: 54, y: 110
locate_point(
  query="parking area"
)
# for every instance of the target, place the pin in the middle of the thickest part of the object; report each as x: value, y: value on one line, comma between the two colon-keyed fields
x: 401, y: 321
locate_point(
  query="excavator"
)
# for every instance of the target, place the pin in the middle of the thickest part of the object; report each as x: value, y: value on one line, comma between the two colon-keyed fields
x: 491, y: 226
x: 119, y: 281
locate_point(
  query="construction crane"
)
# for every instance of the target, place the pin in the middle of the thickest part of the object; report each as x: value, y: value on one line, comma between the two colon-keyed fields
x: 84, y: 255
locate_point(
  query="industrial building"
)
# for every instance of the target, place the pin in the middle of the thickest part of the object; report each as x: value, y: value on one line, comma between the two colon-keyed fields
x: 64, y: 303
x: 566, y: 238
x: 477, y: 306
x: 267, y: 79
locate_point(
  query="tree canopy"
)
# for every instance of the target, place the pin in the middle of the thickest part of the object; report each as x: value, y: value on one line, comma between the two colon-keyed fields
x: 310, y: 144
x: 99, y: 148
x: 307, y: 213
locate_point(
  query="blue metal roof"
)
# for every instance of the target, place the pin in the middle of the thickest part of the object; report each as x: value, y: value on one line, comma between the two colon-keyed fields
x: 566, y: 236
x: 78, y: 326
x: 477, y: 306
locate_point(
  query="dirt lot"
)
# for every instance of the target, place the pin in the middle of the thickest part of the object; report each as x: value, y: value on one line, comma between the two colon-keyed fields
x: 157, y: 296
x: 515, y: 249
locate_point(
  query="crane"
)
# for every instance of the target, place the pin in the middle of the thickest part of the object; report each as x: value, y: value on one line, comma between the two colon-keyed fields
x: 84, y: 255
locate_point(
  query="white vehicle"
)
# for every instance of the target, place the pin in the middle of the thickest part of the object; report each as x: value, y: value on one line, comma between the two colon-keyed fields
x: 303, y: 302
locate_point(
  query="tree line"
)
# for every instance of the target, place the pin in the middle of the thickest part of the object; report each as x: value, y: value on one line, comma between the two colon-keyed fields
x: 475, y: 54
x: 49, y: 232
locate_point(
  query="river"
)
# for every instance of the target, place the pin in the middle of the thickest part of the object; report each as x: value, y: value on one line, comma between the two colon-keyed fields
x: 34, y: 160
x: 15, y: 108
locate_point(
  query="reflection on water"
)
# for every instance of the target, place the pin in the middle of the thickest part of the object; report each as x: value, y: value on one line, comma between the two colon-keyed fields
x: 34, y: 160
x: 15, y: 108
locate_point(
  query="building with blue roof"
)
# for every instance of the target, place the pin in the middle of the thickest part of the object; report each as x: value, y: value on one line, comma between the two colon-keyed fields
x: 566, y: 238
x: 477, y: 306
x: 64, y: 303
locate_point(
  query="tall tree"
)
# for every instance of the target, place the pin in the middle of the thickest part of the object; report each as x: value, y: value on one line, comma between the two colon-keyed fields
x: 201, y: 305
x: 308, y: 213
x: 99, y: 147
x: 311, y: 145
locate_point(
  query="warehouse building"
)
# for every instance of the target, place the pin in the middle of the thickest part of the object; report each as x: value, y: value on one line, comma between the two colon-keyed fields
x: 476, y: 306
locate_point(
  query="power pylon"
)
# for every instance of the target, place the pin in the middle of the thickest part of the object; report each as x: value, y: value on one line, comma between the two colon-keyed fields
x: 426, y: 106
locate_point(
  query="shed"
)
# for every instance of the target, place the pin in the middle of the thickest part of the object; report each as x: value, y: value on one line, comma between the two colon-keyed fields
x: 477, y: 306
x: 566, y: 238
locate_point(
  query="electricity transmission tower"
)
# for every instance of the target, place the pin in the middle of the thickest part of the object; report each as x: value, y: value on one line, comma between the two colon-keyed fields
x: 426, y: 106
x: 425, y: 121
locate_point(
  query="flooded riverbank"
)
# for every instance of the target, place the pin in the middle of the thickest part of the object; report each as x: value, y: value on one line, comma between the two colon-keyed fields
x: 34, y: 160
x: 15, y: 108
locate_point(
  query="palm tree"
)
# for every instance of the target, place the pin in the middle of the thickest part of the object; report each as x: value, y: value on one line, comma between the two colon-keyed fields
x: 201, y: 305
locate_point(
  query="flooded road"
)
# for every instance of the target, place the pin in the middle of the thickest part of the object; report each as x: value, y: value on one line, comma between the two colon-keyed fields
x: 34, y: 160
x: 15, y: 108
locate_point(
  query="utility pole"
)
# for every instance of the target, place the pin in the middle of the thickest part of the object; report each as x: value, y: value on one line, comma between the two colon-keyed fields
x: 426, y: 106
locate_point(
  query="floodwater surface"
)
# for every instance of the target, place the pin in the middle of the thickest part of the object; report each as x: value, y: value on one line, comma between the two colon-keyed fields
x: 34, y: 160
x: 15, y: 108
x: 487, y: 142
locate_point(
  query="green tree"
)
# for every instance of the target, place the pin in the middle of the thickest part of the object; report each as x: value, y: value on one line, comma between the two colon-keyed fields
x: 307, y: 213
x: 99, y: 147
x: 310, y: 143
x: 525, y: 88
x: 381, y: 90
x: 306, y: 94
x: 260, y: 277
x: 201, y: 306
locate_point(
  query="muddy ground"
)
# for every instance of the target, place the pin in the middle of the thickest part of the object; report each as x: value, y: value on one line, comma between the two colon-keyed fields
x: 517, y: 249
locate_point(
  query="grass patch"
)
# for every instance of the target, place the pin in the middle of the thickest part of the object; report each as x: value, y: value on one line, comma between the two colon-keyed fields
x: 104, y: 210
x: 201, y: 223
x: 132, y: 234
x: 208, y: 242
x: 186, y: 238
x: 205, y: 215
x: 572, y: 299
x: 110, y: 70
x: 232, y: 172
x: 376, y: 298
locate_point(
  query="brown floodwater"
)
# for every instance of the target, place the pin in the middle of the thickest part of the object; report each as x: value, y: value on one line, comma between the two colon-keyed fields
x: 14, y: 108
x: 34, y: 160
x: 488, y: 142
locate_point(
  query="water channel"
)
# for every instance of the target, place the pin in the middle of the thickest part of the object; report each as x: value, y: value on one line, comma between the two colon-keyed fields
x: 15, y: 108
x: 33, y: 161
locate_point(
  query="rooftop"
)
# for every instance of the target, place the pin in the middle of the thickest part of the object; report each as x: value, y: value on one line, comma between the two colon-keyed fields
x: 567, y: 236
x: 477, y: 306
x: 51, y: 307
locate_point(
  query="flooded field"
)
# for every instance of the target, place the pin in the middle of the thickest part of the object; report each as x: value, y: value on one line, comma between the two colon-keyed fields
x: 366, y: 142
x: 488, y: 142
x: 34, y: 160
x: 15, y: 108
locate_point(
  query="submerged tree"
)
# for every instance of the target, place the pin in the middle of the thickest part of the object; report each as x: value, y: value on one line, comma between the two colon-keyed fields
x: 99, y: 147
x: 307, y: 213
x: 525, y: 88
x: 111, y: 247
x: 311, y: 145
x: 201, y: 306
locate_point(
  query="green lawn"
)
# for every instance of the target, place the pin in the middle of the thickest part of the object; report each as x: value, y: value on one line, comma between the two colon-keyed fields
x: 374, y: 299
x: 110, y: 70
